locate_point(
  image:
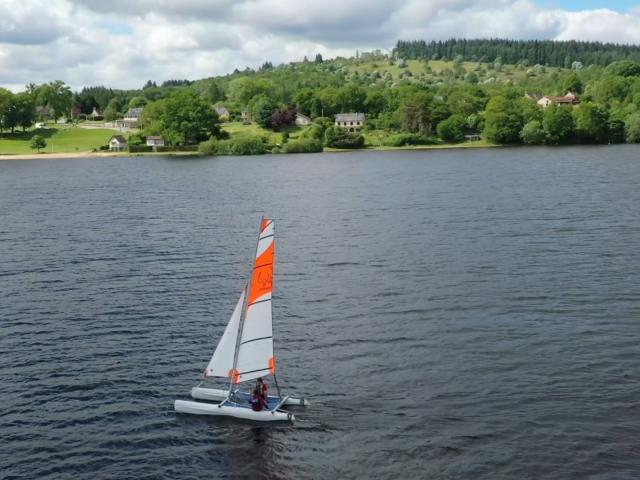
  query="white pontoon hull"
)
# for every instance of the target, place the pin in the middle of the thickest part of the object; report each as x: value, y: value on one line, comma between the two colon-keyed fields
x: 198, y: 408
x: 218, y: 395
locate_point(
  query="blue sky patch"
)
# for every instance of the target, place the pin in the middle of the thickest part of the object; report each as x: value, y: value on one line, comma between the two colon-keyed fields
x: 621, y: 6
x: 116, y: 28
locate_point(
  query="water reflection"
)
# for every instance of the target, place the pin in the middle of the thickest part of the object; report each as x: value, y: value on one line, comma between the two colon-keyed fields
x: 254, y: 452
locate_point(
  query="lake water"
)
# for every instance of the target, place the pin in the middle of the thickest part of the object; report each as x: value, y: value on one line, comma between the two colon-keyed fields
x: 451, y: 314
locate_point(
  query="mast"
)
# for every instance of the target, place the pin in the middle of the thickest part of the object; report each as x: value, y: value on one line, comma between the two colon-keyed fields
x: 244, y: 314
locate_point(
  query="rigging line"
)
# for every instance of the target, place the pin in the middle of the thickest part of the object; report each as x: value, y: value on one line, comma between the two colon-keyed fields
x: 263, y: 265
x: 254, y: 371
x: 256, y: 339
x: 260, y: 301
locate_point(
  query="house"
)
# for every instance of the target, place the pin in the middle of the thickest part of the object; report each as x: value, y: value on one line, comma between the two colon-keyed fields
x: 44, y: 113
x: 350, y: 121
x: 223, y: 114
x: 117, y: 143
x: 131, y: 119
x: 95, y: 114
x: 302, y: 120
x: 155, y: 142
x: 544, y: 101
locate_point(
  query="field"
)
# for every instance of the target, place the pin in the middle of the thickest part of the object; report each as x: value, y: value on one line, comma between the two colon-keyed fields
x: 59, y: 139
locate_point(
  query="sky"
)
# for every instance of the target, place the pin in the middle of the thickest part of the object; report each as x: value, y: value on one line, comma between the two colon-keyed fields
x: 124, y: 43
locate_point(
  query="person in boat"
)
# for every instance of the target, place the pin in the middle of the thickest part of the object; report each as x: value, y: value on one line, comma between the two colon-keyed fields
x: 256, y: 401
x: 263, y: 389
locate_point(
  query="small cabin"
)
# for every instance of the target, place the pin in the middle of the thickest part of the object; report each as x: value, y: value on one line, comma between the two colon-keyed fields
x: 223, y: 113
x: 117, y: 143
x: 302, y: 120
x: 352, y: 122
x: 155, y: 142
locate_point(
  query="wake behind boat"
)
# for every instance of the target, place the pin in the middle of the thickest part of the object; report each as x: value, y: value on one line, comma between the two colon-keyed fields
x: 245, y: 351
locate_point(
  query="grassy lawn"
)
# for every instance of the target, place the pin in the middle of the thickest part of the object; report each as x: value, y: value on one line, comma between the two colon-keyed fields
x: 59, y: 140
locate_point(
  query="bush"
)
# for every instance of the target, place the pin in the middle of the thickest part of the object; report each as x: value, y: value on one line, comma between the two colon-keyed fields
x: 402, y: 139
x: 337, y: 137
x: 309, y: 145
x: 209, y: 147
x: 137, y: 139
x: 533, y: 133
x: 140, y: 148
x: 315, y: 131
x: 242, y: 145
x: 452, y: 129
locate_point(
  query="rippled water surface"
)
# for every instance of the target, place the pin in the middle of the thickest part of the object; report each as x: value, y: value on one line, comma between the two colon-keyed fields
x: 454, y: 314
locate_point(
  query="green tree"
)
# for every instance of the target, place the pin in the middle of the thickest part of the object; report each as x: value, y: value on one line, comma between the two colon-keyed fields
x: 113, y: 110
x: 571, y: 83
x: 452, y: 129
x: 136, y: 102
x: 351, y: 98
x: 263, y: 112
x: 57, y: 96
x: 243, y: 89
x: 591, y: 123
x: 25, y: 110
x: 38, y: 142
x: 503, y: 121
x: 624, y: 68
x: 304, y: 100
x: 337, y: 137
x: 558, y: 125
x: 533, y: 133
x: 183, y: 118
x: 375, y: 103
x: 632, y: 128
x: 416, y: 112
x: 6, y: 102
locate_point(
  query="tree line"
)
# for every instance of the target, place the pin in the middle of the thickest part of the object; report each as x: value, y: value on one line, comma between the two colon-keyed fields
x: 405, y: 101
x: 554, y: 53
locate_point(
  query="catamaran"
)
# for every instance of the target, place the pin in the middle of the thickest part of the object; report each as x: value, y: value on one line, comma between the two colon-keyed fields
x: 245, y: 350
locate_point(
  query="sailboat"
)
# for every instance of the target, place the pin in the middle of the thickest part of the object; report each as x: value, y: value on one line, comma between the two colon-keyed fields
x: 245, y: 350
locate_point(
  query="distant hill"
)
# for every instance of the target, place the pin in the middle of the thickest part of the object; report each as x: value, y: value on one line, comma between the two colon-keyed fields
x: 543, y: 52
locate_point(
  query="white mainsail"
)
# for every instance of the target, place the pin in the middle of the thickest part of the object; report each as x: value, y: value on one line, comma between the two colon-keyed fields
x: 221, y: 363
x: 255, y: 350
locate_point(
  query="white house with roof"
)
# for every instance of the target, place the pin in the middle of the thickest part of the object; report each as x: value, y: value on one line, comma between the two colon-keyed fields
x: 352, y: 122
x: 117, y: 143
x: 131, y: 119
x: 155, y: 141
x: 302, y: 120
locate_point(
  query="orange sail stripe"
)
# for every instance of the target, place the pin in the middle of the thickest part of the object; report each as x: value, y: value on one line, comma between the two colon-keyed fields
x: 272, y: 365
x: 234, y: 374
x: 265, y: 222
x: 262, y: 279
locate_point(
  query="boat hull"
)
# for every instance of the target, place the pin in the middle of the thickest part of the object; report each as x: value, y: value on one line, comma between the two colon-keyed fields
x: 218, y: 395
x: 231, y: 410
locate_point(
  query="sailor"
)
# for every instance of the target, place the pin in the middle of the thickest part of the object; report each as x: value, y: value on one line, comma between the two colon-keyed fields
x: 262, y: 388
x: 256, y: 401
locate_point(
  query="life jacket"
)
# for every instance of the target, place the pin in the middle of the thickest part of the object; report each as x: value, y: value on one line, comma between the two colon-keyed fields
x: 264, y: 391
x: 256, y: 402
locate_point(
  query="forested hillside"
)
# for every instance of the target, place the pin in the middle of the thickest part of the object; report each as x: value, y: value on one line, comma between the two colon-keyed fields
x: 406, y: 101
x: 544, y: 52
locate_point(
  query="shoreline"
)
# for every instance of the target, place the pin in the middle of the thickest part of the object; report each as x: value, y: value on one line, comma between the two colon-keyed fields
x: 76, y: 154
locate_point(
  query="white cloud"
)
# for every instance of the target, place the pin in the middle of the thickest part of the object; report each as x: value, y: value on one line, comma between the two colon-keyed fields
x: 123, y: 43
